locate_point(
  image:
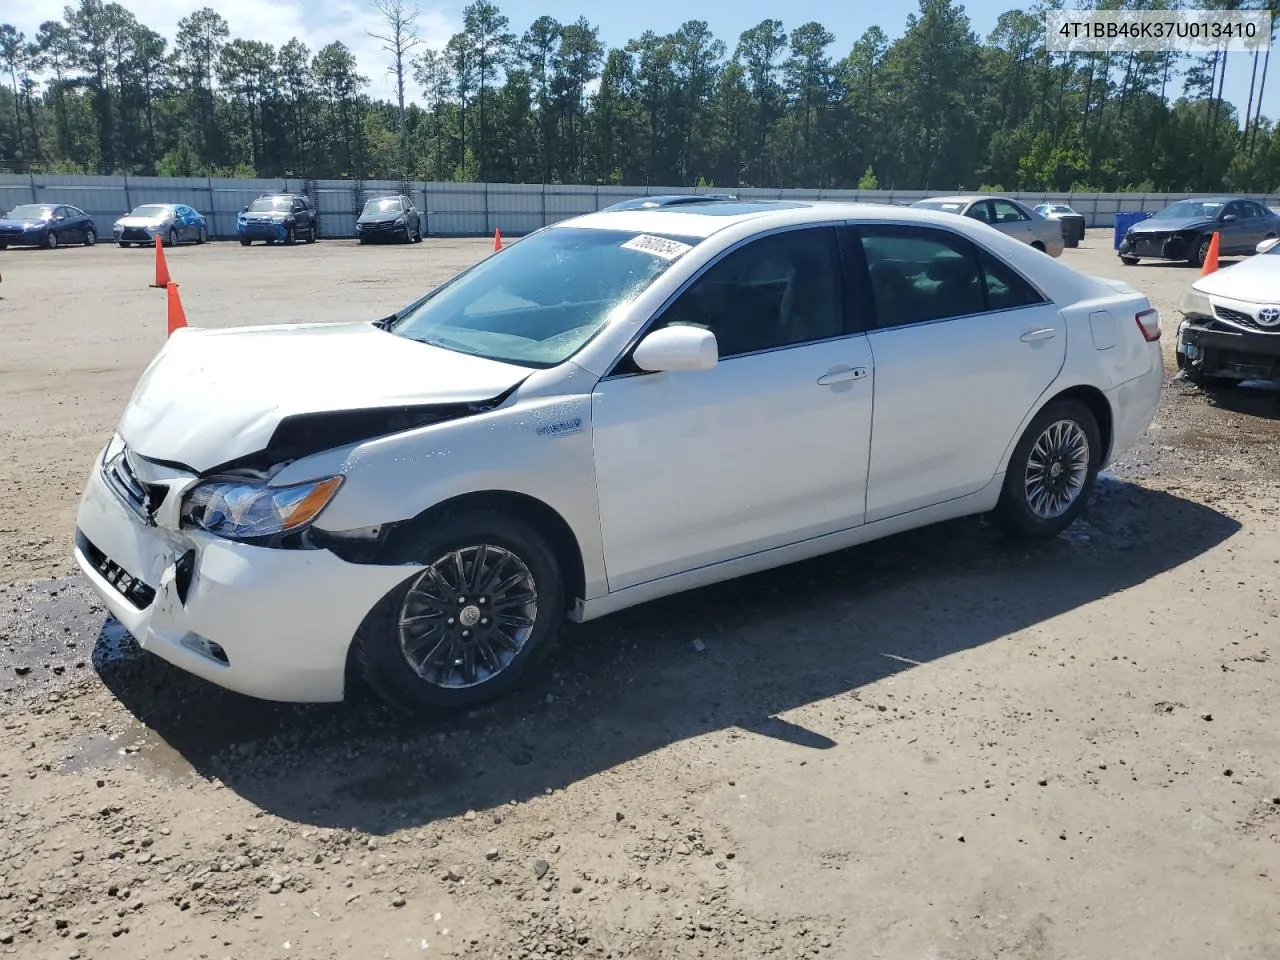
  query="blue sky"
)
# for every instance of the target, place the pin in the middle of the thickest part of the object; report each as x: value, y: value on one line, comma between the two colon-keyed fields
x: 318, y: 22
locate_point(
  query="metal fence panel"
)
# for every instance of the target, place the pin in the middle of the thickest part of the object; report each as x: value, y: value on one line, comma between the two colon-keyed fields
x: 468, y: 208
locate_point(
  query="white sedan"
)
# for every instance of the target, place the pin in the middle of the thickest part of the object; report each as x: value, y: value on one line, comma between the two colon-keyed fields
x: 1231, y: 326
x: 618, y: 407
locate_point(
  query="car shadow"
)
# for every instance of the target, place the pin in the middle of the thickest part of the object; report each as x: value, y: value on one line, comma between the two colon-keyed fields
x: 734, y: 655
x: 1253, y: 398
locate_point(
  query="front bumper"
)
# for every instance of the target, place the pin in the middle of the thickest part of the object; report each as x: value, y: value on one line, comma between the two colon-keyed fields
x: 380, y: 230
x: 282, y: 620
x: 1157, y: 246
x: 1213, y: 350
x: 26, y: 238
x: 135, y: 234
x: 261, y: 231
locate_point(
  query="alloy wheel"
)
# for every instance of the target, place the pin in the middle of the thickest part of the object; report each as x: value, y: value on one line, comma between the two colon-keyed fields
x: 468, y: 616
x: 1057, y: 469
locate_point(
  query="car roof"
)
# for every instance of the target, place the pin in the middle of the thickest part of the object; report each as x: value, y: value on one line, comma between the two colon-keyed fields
x: 702, y: 220
x: 968, y: 198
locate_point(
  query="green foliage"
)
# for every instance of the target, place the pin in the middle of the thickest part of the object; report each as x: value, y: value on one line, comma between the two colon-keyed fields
x: 935, y: 108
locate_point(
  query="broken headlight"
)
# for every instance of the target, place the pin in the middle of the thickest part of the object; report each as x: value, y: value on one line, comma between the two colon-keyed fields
x: 1196, y: 304
x: 250, y: 510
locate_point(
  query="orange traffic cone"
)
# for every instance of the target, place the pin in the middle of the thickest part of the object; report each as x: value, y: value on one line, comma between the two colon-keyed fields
x: 177, y: 317
x: 497, y: 240
x: 1211, y: 259
x: 162, y: 268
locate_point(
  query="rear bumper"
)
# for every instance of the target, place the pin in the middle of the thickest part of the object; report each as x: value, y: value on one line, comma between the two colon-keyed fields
x: 282, y: 620
x: 1134, y: 404
x: 1214, y: 352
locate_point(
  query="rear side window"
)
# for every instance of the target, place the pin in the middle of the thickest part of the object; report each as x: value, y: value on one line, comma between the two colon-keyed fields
x: 1006, y: 290
x: 919, y: 274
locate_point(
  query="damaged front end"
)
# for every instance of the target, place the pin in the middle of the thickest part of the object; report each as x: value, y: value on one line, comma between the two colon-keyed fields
x: 1157, y: 245
x: 1236, y: 343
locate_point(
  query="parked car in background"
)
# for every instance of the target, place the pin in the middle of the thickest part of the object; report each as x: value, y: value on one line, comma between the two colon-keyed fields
x: 621, y: 406
x: 1183, y: 230
x: 1231, y: 326
x: 277, y: 218
x: 1007, y: 215
x: 1072, y: 222
x: 46, y: 225
x: 173, y: 223
x: 389, y: 218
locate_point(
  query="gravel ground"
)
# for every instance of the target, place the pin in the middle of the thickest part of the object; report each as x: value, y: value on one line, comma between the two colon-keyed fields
x: 943, y: 745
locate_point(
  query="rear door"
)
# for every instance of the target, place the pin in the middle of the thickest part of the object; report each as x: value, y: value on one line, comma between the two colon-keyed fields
x: 963, y: 346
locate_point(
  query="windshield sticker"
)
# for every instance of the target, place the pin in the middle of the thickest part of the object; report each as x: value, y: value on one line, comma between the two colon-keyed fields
x: 658, y: 246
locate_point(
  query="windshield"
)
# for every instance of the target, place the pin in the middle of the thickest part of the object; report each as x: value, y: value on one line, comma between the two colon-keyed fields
x: 383, y: 205
x: 30, y: 211
x: 269, y: 204
x: 951, y: 206
x: 539, y: 300
x: 150, y: 210
x: 1190, y: 210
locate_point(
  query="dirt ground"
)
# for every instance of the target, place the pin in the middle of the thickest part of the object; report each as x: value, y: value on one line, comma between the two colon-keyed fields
x: 941, y: 746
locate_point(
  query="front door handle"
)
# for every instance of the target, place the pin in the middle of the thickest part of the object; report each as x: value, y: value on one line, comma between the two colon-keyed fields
x: 1045, y: 333
x: 840, y: 376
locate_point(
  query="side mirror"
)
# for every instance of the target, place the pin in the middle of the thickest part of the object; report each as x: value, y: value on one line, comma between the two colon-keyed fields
x: 1266, y: 245
x: 677, y: 348
x: 245, y: 208
x: 1229, y: 218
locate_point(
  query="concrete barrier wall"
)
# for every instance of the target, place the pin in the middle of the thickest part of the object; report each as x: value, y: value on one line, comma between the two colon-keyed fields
x: 460, y: 209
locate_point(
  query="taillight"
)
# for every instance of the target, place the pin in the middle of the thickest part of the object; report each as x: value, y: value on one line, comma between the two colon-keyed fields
x: 1149, y: 324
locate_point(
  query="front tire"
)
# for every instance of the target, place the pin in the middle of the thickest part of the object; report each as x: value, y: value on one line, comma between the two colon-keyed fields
x: 1201, y: 252
x: 171, y: 240
x: 90, y: 238
x: 51, y: 241
x: 244, y: 242
x: 470, y: 626
x: 1052, y: 471
x: 202, y: 236
x: 1129, y: 261
x: 289, y: 238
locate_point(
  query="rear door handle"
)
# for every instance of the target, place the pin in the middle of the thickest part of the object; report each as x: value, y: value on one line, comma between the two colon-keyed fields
x: 1045, y: 333
x: 840, y: 376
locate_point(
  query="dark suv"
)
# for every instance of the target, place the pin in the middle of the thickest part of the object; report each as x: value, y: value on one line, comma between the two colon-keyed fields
x: 286, y: 217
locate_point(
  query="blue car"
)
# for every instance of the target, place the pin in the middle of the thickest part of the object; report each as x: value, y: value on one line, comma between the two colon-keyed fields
x: 46, y: 225
x: 277, y: 218
x: 173, y: 223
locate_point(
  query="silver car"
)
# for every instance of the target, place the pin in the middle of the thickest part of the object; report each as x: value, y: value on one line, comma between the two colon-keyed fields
x: 1006, y: 215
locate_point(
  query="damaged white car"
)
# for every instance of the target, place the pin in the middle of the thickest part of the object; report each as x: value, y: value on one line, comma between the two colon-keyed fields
x: 618, y: 407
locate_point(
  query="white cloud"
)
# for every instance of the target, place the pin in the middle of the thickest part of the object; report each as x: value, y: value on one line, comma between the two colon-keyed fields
x: 274, y: 22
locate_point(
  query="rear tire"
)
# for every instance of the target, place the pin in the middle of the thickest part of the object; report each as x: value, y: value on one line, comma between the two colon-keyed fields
x: 1051, y: 472
x: 1037, y: 245
x: 244, y: 242
x: 503, y: 559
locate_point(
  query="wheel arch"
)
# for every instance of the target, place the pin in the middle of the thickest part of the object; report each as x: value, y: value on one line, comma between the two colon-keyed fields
x: 538, y: 514
x: 1093, y: 398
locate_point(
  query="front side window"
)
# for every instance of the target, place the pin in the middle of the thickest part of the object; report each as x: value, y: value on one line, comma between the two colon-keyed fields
x: 538, y: 301
x: 1007, y: 212
x: 778, y: 291
x: 981, y: 210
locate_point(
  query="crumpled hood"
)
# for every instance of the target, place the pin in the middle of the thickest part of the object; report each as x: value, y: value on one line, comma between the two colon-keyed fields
x: 211, y: 396
x: 1255, y: 280
x: 1170, y: 225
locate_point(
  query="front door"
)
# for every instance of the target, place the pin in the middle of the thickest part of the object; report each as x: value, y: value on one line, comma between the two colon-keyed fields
x: 767, y: 448
x: 963, y: 347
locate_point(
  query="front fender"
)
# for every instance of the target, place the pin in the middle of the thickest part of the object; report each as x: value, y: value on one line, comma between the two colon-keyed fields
x: 538, y: 447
